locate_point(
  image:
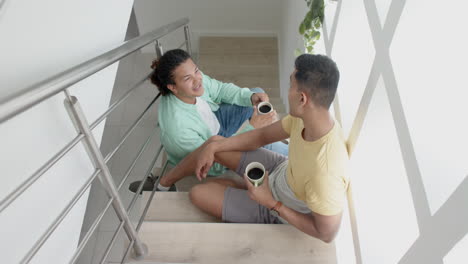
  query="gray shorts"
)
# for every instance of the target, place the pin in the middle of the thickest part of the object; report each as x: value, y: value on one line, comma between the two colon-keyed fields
x: 237, y: 206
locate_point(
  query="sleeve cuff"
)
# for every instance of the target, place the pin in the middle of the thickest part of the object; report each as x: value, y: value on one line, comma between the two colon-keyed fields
x: 247, y: 96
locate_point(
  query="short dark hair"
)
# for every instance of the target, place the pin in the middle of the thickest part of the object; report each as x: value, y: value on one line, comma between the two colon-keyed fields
x: 164, y: 67
x: 318, y: 76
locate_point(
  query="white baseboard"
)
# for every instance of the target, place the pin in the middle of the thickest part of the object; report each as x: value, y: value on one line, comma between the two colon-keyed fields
x: 235, y: 33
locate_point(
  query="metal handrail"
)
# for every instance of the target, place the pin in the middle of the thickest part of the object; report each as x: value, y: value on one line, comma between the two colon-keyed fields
x: 111, y: 244
x: 12, y: 196
x: 119, y: 101
x: 36, y: 175
x: 59, y: 219
x: 145, y: 211
x: 34, y: 94
x: 130, y: 207
x: 130, y: 130
x: 16, y: 103
x: 182, y: 44
x: 142, y: 182
x: 98, y: 219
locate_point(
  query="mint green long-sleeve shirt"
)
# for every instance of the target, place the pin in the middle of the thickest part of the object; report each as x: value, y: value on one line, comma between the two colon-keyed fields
x: 182, y: 128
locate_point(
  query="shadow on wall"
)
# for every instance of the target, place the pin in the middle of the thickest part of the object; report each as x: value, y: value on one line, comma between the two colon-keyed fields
x: 2, y: 7
x: 437, y: 236
x: 441, y: 231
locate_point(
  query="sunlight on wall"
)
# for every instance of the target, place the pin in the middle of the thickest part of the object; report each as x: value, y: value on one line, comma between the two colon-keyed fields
x: 384, y: 207
x: 430, y: 71
x: 415, y: 128
x: 354, y: 53
x: 330, y: 11
x: 459, y: 253
x: 344, y: 240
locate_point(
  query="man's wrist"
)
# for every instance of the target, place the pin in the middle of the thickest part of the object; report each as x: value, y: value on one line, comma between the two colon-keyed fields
x: 271, y: 203
x: 213, y: 147
x: 275, y: 209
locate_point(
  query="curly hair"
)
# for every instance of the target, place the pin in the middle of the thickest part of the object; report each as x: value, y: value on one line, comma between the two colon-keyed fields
x: 164, y: 67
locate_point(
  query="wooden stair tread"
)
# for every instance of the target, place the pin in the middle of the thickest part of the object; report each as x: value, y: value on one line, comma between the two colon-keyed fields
x: 238, y: 45
x: 175, y: 207
x: 232, y: 243
x: 244, y: 61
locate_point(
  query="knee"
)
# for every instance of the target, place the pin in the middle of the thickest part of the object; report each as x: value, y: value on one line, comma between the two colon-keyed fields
x: 200, y: 192
x: 196, y: 193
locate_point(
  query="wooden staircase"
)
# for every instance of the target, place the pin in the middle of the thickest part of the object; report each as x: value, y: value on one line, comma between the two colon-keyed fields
x: 177, y: 232
x: 245, y: 61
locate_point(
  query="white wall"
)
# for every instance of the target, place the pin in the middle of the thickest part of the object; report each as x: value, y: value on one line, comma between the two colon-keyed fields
x: 293, y: 13
x: 403, y: 107
x: 39, y: 39
x: 416, y: 185
x: 211, y: 17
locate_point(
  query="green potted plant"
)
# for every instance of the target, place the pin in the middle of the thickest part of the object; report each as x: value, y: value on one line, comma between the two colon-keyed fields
x: 311, y: 25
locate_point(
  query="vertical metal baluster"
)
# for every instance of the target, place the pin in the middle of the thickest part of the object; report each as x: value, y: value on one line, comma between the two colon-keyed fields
x: 159, y: 49
x: 187, y: 39
x: 81, y: 124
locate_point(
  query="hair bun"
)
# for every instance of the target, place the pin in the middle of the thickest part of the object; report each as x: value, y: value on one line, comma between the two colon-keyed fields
x: 155, y: 64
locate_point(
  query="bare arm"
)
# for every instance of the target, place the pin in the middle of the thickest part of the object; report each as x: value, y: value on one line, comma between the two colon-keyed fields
x: 251, y: 140
x: 247, y: 141
x: 319, y: 226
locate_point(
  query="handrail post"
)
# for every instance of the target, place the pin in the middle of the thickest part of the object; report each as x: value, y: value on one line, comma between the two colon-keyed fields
x: 159, y: 49
x: 187, y: 39
x: 81, y: 124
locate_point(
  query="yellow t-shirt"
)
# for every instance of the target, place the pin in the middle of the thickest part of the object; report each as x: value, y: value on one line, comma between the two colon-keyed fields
x: 316, y: 169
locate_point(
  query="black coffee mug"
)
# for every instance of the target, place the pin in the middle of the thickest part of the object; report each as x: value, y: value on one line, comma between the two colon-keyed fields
x: 255, y: 172
x: 264, y: 108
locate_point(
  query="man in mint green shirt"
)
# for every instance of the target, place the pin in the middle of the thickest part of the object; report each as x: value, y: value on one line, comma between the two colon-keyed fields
x: 183, y: 128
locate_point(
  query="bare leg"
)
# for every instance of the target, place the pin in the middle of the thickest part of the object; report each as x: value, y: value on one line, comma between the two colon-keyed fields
x: 234, y: 183
x: 209, y: 197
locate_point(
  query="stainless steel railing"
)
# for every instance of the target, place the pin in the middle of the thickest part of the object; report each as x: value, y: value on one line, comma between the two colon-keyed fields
x: 34, y: 94
x: 23, y: 100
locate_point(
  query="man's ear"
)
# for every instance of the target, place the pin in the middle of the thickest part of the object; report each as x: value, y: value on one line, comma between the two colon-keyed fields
x: 172, y: 87
x: 304, y: 99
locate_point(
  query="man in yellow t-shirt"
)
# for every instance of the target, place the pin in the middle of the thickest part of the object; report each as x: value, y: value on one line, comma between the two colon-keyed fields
x: 308, y: 189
